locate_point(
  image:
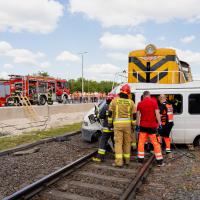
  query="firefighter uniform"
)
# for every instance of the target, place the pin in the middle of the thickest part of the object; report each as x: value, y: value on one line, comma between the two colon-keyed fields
x: 122, y: 110
x: 166, y: 111
x: 107, y: 131
x: 148, y: 128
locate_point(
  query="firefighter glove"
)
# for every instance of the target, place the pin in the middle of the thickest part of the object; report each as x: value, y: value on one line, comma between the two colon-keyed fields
x: 137, y: 128
x: 160, y: 127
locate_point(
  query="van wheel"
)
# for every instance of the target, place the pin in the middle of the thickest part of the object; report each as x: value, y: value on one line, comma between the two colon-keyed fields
x: 197, y: 141
x: 42, y: 100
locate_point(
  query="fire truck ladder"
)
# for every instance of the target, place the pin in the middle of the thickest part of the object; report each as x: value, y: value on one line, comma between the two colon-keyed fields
x: 27, y: 105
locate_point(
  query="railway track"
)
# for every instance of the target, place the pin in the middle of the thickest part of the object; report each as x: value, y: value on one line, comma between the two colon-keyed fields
x: 86, y: 180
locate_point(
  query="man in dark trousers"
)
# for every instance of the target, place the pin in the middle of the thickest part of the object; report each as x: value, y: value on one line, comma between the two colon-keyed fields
x: 107, y: 131
x: 166, y: 112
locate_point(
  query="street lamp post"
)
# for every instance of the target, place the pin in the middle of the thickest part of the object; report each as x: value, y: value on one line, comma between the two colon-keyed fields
x: 82, y: 56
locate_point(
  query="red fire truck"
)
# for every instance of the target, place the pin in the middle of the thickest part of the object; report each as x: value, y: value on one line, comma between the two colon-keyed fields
x: 62, y: 91
x: 39, y: 90
x: 4, y: 91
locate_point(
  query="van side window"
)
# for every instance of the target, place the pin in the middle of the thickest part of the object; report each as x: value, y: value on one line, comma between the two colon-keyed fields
x: 194, y: 104
x: 175, y: 99
x: 177, y: 102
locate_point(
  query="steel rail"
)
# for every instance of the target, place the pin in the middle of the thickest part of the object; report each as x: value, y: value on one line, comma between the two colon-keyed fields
x: 130, y: 192
x: 34, y: 188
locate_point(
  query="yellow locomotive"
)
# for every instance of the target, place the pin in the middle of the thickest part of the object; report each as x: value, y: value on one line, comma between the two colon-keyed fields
x: 157, y: 65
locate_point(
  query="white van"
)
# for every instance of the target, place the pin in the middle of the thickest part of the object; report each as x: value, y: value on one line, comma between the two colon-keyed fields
x: 185, y: 99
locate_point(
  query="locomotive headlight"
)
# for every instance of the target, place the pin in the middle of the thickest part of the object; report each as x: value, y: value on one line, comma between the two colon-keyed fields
x: 150, y: 49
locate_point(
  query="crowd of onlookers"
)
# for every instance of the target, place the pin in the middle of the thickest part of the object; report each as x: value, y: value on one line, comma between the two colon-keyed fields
x: 86, y: 97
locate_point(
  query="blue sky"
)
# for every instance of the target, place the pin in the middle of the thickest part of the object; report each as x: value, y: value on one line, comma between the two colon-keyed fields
x: 42, y: 35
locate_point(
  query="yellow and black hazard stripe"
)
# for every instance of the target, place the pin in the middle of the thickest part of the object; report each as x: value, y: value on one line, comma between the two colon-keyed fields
x: 153, y: 68
x: 154, y: 79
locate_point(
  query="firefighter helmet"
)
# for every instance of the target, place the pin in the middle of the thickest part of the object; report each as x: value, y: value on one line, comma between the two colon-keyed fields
x: 125, y: 89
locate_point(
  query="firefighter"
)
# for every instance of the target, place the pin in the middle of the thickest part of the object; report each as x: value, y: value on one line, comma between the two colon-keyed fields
x: 49, y: 93
x: 107, y: 131
x: 166, y: 111
x: 148, y: 120
x: 121, y: 111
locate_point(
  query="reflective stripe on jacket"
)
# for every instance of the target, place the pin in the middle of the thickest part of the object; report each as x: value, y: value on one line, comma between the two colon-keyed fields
x: 166, y: 111
x: 122, y: 110
x: 170, y: 113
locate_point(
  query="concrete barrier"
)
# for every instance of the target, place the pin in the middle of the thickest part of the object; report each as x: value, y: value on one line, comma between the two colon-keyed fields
x: 16, y: 120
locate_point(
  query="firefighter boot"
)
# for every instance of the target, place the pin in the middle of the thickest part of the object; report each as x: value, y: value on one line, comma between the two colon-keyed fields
x: 100, y: 156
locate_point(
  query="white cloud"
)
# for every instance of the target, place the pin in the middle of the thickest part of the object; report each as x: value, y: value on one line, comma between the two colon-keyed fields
x: 162, y: 38
x: 196, y: 77
x: 187, y: 39
x: 102, y: 71
x: 192, y: 58
x: 67, y: 56
x: 189, y: 56
x: 126, y: 41
x: 118, y: 56
x: 45, y: 65
x: 20, y: 56
x: 133, y: 12
x: 4, y: 75
x: 39, y: 16
x: 8, y: 66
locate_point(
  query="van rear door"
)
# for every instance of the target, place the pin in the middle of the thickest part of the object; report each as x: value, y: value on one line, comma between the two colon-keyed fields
x: 193, y: 123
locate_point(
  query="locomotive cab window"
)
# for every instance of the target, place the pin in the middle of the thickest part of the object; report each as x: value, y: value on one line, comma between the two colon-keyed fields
x: 194, y: 104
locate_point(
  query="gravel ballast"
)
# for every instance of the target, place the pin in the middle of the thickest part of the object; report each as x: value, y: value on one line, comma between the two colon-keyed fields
x: 178, y: 179
x: 18, y: 171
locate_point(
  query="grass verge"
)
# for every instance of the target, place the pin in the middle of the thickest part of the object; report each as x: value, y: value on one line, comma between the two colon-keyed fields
x: 13, y: 141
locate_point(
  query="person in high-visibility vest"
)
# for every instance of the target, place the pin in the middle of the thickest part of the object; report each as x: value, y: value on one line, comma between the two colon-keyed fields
x: 167, y: 120
x: 147, y: 121
x: 107, y: 131
x: 121, y: 111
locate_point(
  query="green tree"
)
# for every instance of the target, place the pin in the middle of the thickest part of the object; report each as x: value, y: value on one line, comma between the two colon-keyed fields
x: 42, y: 73
x: 90, y: 85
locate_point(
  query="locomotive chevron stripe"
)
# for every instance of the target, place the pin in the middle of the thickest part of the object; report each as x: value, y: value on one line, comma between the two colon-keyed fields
x: 155, y: 67
x: 161, y: 75
x: 154, y: 79
x: 140, y: 78
x: 137, y: 62
x: 162, y: 62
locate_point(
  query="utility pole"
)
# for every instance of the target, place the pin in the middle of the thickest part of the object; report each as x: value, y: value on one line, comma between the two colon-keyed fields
x: 82, y: 58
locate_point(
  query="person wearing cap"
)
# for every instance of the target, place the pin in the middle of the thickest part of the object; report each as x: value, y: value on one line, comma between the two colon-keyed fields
x: 121, y: 111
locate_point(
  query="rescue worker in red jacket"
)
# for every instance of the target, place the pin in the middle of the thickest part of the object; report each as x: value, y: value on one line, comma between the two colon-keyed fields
x: 166, y: 111
x: 148, y: 121
x: 122, y: 110
x: 107, y: 131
